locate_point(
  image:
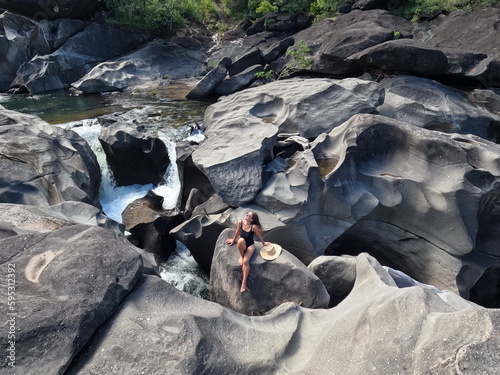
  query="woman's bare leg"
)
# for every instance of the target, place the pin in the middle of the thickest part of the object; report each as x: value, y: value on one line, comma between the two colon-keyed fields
x: 245, y: 267
x: 242, y: 245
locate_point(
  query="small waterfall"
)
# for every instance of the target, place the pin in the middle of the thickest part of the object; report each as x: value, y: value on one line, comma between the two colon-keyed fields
x: 171, y: 188
x: 181, y: 270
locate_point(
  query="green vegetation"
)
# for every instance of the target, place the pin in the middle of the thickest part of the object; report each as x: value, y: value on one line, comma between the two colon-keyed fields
x: 300, y: 59
x: 162, y: 14
x: 416, y: 9
x: 171, y: 14
x: 266, y: 76
x: 266, y: 7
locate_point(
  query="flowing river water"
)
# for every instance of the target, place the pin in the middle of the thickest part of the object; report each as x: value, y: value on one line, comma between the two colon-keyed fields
x: 166, y: 114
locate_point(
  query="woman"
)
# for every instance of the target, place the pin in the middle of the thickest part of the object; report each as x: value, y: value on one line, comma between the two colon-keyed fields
x: 245, y: 230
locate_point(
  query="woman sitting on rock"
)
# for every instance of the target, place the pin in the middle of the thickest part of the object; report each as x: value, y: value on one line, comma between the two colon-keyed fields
x: 245, y: 231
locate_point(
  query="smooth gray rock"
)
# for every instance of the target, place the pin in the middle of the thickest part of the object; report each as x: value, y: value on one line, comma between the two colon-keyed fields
x: 43, y: 165
x: 149, y: 225
x: 76, y: 57
x: 417, y: 194
x: 251, y: 58
x: 241, y: 129
x: 16, y: 219
x: 338, y: 274
x: 270, y: 283
x: 158, y: 59
x: 332, y: 42
x: 67, y: 283
x: 403, y: 55
x: 431, y: 105
x: 277, y: 50
x: 190, y: 176
x: 214, y: 205
x: 378, y: 327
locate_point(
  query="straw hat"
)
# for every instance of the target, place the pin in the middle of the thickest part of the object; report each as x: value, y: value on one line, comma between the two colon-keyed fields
x: 270, y: 252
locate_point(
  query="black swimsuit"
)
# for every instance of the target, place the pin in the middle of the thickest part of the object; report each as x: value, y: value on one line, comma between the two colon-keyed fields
x: 247, y: 236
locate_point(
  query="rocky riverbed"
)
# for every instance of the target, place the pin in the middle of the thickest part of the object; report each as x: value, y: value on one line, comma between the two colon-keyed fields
x: 376, y: 168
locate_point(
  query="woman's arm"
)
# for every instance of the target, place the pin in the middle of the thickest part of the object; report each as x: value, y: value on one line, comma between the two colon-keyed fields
x: 258, y: 233
x: 231, y: 241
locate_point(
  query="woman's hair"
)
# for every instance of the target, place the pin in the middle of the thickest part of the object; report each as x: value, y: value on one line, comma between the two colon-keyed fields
x: 256, y: 221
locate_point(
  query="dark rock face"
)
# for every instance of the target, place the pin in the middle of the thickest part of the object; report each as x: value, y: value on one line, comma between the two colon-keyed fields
x: 53, y: 9
x: 200, y: 234
x: 206, y: 86
x: 133, y: 157
x: 149, y: 225
x: 76, y: 57
x: 68, y: 282
x: 43, y: 164
x: 404, y: 55
x: 20, y: 40
x: 338, y: 274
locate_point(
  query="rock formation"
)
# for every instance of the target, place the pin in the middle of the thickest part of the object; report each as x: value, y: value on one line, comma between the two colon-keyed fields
x: 381, y: 184
x: 378, y: 327
x: 270, y: 283
x: 43, y: 164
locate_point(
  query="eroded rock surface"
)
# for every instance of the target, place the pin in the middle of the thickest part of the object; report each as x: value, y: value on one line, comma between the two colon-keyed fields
x: 43, y: 164
x: 402, y: 328
x: 68, y: 282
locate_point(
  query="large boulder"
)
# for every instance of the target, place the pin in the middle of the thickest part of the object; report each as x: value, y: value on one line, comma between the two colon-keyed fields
x: 415, y: 203
x: 242, y: 129
x: 206, y: 86
x: 421, y: 201
x: 20, y: 40
x: 133, y: 156
x: 67, y: 283
x: 76, y: 57
x: 53, y: 9
x: 149, y: 226
x: 239, y: 81
x: 270, y: 283
x: 158, y: 59
x: 19, y: 219
x: 431, y: 105
x: 378, y: 328
x: 403, y: 55
x: 43, y: 164
x: 332, y: 42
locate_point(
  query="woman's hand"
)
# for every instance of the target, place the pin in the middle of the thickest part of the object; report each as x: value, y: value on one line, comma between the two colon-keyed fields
x: 230, y: 241
x: 267, y: 243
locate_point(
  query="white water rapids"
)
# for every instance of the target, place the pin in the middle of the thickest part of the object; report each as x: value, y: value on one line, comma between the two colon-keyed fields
x: 181, y: 270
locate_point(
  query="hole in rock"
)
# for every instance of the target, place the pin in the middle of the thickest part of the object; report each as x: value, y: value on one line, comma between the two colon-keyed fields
x: 326, y: 166
x: 354, y: 242
x: 486, y: 292
x: 269, y: 109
